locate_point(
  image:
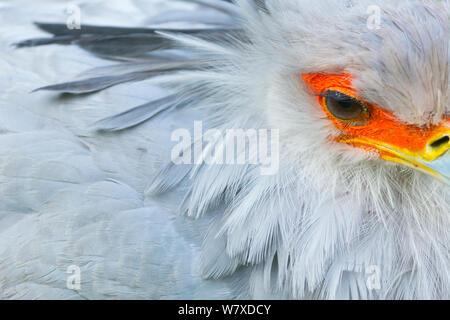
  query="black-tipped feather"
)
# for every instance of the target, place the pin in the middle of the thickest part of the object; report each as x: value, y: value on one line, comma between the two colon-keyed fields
x: 60, y: 29
x: 124, y: 47
x: 169, y: 63
x: 136, y: 116
x: 98, y: 83
x: 45, y: 41
x: 145, y: 46
x: 123, y: 43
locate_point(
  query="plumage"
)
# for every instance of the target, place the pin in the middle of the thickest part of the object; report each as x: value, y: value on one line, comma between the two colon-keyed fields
x: 90, y: 180
x: 137, y: 115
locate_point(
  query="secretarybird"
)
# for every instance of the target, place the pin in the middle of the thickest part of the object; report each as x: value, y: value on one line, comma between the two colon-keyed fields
x: 99, y: 201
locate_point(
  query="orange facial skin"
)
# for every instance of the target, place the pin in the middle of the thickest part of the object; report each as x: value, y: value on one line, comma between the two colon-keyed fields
x: 379, y: 130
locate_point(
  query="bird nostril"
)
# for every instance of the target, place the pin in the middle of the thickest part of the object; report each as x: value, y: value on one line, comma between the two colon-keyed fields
x: 436, y: 144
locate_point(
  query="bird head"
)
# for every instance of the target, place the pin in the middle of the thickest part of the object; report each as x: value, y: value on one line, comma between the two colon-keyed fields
x: 353, y: 85
x: 367, y: 126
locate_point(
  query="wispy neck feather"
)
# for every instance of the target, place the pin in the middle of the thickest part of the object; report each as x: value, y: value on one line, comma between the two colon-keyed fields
x: 303, y: 237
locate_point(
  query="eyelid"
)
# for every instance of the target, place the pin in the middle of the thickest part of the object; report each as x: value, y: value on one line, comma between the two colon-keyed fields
x: 345, y: 91
x: 326, y: 95
x: 342, y: 97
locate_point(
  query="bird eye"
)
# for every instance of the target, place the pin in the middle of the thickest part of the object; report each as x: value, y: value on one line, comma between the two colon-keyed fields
x: 342, y: 106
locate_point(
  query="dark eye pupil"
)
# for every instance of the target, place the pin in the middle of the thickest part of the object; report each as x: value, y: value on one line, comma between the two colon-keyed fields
x: 343, y: 106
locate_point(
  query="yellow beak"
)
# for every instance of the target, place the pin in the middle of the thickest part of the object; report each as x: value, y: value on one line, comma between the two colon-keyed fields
x: 433, y: 159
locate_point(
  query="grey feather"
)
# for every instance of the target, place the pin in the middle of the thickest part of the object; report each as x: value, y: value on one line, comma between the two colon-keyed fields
x: 64, y: 39
x: 60, y: 29
x: 152, y: 64
x: 135, y: 116
x: 168, y: 178
x: 123, y: 43
x: 143, y: 71
x: 222, y: 6
x: 124, y: 46
x: 96, y: 84
x: 218, y: 20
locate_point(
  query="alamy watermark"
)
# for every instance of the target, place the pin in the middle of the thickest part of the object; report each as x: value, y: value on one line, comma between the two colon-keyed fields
x: 73, y: 281
x: 374, y: 20
x: 372, y: 275
x: 74, y: 19
x: 259, y: 147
